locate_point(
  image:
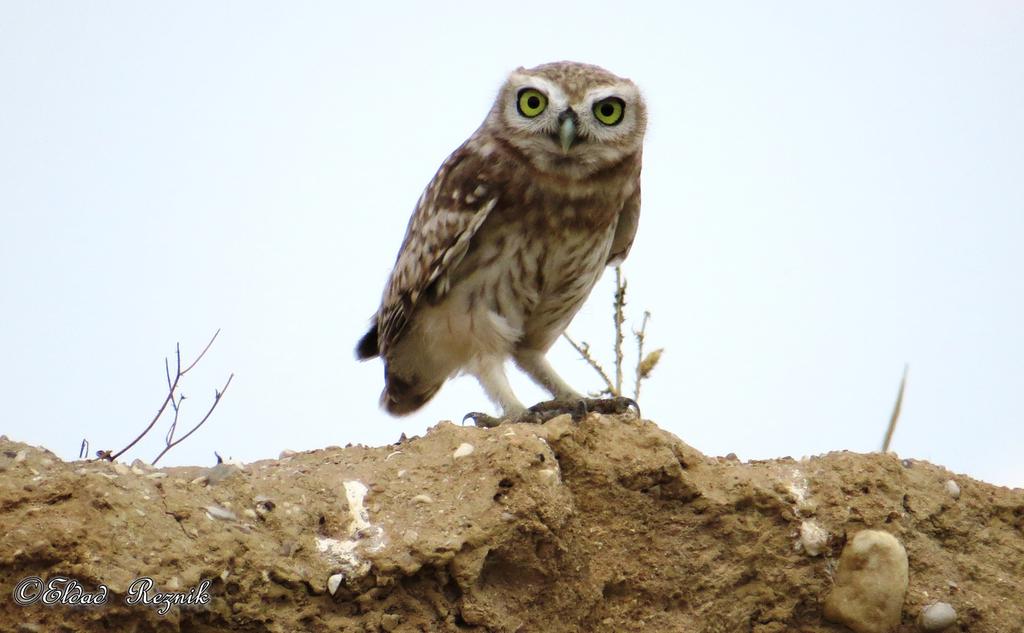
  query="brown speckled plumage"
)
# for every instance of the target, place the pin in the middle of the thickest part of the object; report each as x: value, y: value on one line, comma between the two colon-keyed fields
x: 509, y: 238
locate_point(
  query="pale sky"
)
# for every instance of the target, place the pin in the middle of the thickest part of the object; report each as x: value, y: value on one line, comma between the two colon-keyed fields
x: 830, y: 191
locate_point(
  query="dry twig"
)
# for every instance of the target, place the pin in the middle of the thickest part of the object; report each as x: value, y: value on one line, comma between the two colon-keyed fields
x: 644, y: 364
x: 584, y: 350
x: 170, y: 434
x: 620, y: 318
x: 175, y: 400
x: 895, y: 412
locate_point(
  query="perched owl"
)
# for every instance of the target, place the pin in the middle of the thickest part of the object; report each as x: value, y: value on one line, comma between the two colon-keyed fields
x: 510, y: 237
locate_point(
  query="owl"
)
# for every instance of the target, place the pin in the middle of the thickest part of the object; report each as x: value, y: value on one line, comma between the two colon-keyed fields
x: 510, y: 236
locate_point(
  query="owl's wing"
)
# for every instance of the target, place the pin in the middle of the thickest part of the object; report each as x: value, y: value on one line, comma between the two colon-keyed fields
x: 448, y: 214
x: 625, y: 230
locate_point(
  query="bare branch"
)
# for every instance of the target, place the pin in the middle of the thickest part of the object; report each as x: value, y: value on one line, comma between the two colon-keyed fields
x: 216, y: 399
x: 170, y: 396
x: 620, y: 318
x: 584, y: 352
x: 84, y: 449
x: 640, y: 334
x: 198, y: 358
x: 895, y: 412
x: 172, y: 386
x: 174, y: 423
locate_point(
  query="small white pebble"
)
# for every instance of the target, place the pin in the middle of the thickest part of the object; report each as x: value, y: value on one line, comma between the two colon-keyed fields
x: 174, y: 583
x: 813, y: 538
x: 223, y: 514
x: 953, y: 489
x: 138, y: 471
x: 156, y: 475
x: 424, y: 498
x: 938, y: 616
x: 463, y: 450
x: 121, y: 469
x: 401, y: 473
x: 334, y: 582
x: 249, y: 512
x: 20, y: 457
x: 224, y: 575
x: 286, y: 453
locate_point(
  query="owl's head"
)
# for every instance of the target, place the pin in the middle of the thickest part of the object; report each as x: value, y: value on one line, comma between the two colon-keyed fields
x: 569, y: 118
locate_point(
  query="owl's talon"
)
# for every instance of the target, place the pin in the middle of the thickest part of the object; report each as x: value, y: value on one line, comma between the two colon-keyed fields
x: 481, y: 420
x: 580, y: 411
x: 630, y: 403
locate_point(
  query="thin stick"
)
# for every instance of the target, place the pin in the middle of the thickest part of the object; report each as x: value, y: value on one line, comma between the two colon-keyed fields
x: 216, y: 399
x: 174, y: 422
x: 620, y: 304
x: 895, y: 412
x: 201, y: 354
x: 160, y: 411
x: 640, y: 334
x: 584, y: 351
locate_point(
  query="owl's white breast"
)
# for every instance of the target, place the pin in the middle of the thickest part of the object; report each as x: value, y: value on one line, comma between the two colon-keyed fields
x: 517, y: 287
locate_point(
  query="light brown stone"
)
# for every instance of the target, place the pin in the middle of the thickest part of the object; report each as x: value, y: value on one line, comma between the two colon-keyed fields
x: 871, y: 583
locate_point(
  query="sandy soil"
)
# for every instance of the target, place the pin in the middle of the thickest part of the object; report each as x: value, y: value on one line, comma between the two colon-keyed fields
x: 609, y: 524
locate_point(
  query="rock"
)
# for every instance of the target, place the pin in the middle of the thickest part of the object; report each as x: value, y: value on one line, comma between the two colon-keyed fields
x: 334, y: 582
x: 871, y: 582
x: 813, y: 538
x: 952, y: 488
x: 220, y: 472
x: 463, y: 450
x: 936, y: 617
x: 220, y: 513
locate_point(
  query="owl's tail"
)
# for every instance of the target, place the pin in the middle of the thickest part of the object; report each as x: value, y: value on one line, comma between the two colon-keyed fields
x: 368, y: 347
x: 402, y: 397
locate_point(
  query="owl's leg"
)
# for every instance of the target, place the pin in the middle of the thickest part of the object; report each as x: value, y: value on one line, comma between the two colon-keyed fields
x: 536, y: 366
x: 566, y: 399
x: 490, y: 372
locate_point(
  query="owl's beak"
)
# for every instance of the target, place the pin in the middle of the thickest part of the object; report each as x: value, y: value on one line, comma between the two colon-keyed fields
x: 567, y: 129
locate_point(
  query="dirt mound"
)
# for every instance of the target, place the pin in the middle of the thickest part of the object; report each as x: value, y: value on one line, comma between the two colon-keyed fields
x: 610, y: 524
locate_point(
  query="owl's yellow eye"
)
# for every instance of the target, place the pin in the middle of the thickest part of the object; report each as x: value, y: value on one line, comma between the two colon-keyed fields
x: 609, y: 111
x: 531, y: 102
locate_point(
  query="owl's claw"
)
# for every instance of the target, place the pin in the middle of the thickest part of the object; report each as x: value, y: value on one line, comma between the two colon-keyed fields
x: 545, y: 411
x: 482, y: 420
x: 580, y: 408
